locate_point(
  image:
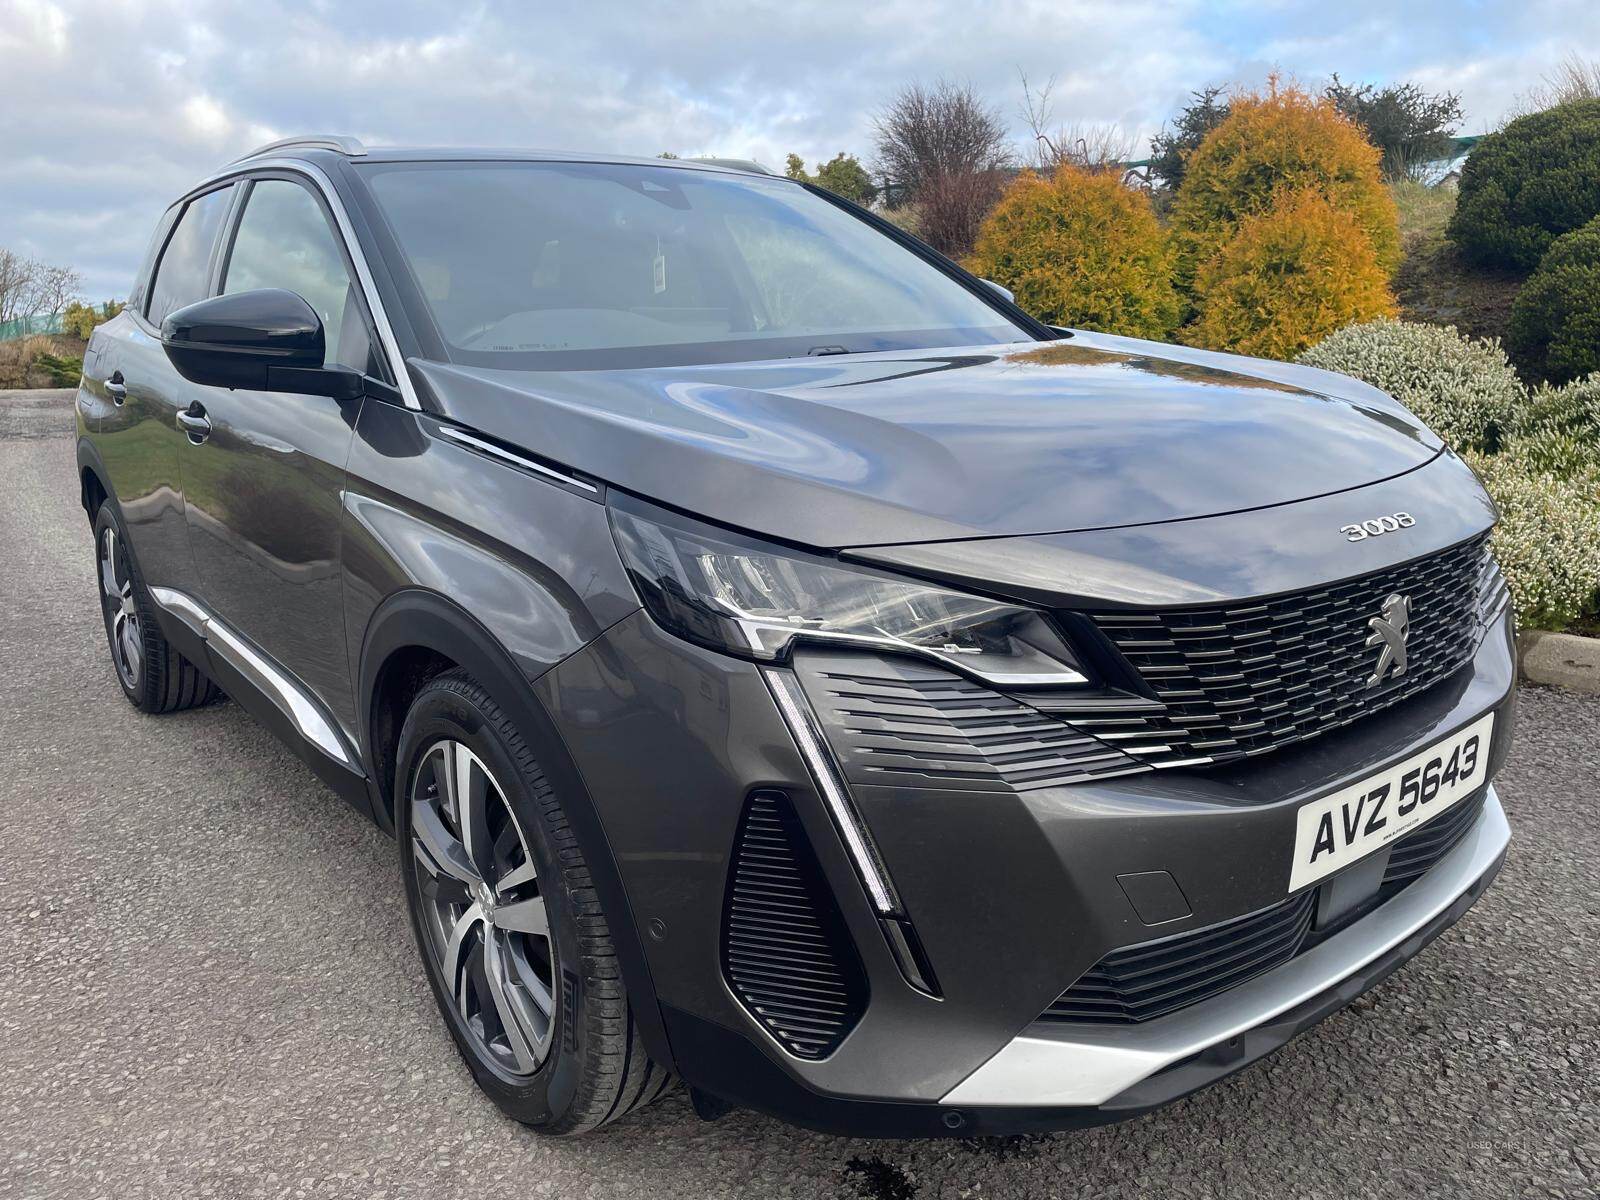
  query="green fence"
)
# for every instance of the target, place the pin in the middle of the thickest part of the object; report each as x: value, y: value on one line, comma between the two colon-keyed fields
x: 28, y: 326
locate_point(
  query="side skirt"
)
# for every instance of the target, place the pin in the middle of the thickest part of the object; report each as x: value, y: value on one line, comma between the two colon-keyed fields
x: 268, y: 693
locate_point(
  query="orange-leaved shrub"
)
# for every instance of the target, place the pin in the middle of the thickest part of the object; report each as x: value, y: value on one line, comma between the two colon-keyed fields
x: 1288, y: 277
x: 1079, y: 248
x: 1285, y: 140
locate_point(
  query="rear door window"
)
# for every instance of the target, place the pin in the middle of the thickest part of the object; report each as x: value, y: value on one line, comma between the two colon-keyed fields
x: 184, y: 273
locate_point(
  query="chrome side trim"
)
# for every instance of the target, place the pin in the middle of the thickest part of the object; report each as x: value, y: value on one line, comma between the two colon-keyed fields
x: 181, y: 606
x: 305, y: 713
x: 1089, y: 1064
x: 341, y: 218
x: 830, y: 783
x: 516, y: 460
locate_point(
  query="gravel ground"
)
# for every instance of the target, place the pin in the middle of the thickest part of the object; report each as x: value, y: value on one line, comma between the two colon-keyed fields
x: 207, y: 986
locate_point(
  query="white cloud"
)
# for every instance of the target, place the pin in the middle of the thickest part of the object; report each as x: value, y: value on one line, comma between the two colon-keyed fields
x: 90, y: 155
x: 34, y: 27
x: 206, y: 118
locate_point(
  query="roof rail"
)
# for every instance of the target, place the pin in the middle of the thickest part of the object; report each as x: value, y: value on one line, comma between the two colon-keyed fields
x: 734, y: 164
x: 312, y: 141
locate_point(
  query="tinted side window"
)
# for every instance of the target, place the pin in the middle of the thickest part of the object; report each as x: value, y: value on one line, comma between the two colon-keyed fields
x: 182, y: 276
x: 147, y: 265
x: 284, y: 241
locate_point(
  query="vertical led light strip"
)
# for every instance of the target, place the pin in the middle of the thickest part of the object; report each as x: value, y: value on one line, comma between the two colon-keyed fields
x: 797, y: 714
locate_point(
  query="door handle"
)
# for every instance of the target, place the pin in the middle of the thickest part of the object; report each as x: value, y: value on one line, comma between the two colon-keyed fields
x: 195, y: 423
x: 116, y: 389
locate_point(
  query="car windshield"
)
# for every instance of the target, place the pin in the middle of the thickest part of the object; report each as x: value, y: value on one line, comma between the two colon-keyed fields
x: 590, y: 265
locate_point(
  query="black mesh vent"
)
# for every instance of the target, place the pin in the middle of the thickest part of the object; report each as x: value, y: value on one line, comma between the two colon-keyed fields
x: 1249, y: 678
x: 785, y: 949
x: 1155, y: 978
x: 1421, y: 848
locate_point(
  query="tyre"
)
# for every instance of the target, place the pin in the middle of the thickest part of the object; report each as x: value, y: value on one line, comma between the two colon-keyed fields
x: 507, y: 921
x: 154, y: 676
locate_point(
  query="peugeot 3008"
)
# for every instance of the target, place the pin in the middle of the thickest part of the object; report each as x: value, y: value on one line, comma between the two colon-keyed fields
x: 784, y: 665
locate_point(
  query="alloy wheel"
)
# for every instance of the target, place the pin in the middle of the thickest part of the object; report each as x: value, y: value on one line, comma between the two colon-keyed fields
x: 122, y: 614
x: 482, y: 911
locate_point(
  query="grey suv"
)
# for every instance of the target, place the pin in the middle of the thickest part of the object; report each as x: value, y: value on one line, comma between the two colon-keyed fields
x: 785, y: 665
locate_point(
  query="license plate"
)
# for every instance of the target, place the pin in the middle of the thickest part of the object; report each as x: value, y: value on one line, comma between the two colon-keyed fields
x: 1339, y: 829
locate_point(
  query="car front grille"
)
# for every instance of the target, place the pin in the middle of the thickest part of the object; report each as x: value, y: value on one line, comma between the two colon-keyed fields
x: 1249, y: 678
x: 1151, y: 979
x: 1226, y: 683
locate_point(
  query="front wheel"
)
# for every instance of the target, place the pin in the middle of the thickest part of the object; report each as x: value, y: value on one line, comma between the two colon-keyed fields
x: 505, y: 914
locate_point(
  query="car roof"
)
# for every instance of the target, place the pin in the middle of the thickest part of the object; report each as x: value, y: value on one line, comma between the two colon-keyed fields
x: 313, y: 147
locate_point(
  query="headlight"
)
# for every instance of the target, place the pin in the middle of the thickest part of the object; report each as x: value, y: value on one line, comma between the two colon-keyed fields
x: 756, y: 600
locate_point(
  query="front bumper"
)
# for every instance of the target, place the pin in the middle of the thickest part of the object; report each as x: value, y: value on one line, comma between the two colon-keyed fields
x: 1013, y: 895
x: 1098, y: 1065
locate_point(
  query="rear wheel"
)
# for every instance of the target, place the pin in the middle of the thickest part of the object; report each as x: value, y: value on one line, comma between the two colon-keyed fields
x: 154, y: 676
x: 506, y: 918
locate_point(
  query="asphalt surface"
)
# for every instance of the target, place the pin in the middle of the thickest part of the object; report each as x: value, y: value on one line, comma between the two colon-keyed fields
x: 208, y: 988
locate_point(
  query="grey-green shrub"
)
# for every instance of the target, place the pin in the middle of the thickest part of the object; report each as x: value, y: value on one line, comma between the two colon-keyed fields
x: 1465, y: 389
x: 1555, y: 321
x: 1548, y: 538
x: 1558, y: 429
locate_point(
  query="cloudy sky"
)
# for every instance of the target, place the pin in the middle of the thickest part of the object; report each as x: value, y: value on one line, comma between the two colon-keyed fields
x: 110, y: 108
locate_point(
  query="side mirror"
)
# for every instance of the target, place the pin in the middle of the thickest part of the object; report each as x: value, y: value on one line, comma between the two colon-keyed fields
x: 266, y: 341
x: 1002, y: 292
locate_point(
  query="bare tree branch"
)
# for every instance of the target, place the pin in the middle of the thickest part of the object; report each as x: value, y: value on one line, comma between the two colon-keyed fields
x: 946, y: 129
x: 1574, y: 78
x: 30, y: 288
x: 1078, y: 144
x: 943, y: 148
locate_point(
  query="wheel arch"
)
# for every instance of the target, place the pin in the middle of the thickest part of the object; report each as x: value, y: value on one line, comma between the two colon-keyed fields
x: 416, y: 634
x: 94, y: 483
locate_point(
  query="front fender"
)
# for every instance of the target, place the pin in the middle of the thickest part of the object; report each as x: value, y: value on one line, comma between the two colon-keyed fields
x: 418, y: 618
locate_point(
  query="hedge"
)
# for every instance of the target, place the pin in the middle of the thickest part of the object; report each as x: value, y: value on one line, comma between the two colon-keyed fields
x: 1464, y: 389
x: 1545, y: 474
x: 1081, y: 249
x: 1289, y: 276
x: 1555, y: 320
x: 1558, y: 429
x: 1283, y: 141
x: 1528, y: 184
x: 1547, y: 541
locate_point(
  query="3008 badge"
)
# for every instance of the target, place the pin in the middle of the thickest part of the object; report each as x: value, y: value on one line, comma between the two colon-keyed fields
x: 1337, y: 830
x: 1378, y: 526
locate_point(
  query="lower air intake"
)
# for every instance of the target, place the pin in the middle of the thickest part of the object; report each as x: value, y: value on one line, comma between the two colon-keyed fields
x: 785, y: 949
x: 1415, y: 854
x: 1152, y: 979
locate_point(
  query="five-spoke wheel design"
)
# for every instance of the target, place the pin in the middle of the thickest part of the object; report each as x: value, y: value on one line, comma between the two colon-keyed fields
x: 483, y: 914
x: 122, y: 614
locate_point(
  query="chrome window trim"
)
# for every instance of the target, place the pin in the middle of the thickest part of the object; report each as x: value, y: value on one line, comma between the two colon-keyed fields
x: 305, y: 713
x: 516, y: 460
x: 244, y: 168
x: 178, y: 209
x: 1069, y: 1066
